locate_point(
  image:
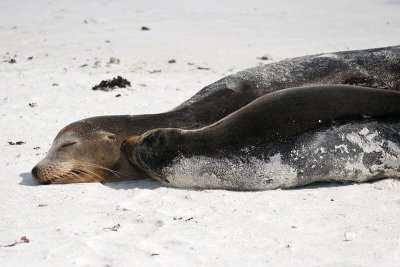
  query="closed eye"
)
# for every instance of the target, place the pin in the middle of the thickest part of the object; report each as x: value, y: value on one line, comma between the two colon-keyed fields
x: 68, y: 144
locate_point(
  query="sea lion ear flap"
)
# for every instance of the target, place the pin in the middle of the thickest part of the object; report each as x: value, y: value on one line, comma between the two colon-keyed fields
x: 107, y: 135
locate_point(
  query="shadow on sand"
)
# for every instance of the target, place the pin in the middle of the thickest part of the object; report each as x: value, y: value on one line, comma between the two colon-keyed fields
x: 134, y: 184
x: 150, y: 184
x: 394, y: 2
x: 27, y: 179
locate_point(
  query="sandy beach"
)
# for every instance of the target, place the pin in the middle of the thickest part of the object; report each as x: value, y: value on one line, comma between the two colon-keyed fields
x: 53, y: 52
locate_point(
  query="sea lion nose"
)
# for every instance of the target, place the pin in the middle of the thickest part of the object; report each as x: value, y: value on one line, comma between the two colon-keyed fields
x: 34, y: 172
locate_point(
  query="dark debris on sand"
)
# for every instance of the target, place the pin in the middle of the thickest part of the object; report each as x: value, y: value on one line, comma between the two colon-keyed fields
x: 18, y: 143
x: 109, y: 85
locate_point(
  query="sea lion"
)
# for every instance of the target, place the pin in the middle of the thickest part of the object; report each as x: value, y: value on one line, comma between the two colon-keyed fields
x: 82, y: 152
x: 279, y: 122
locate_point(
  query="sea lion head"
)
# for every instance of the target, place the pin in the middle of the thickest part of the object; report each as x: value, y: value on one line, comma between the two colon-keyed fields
x: 85, y: 151
x: 154, y: 150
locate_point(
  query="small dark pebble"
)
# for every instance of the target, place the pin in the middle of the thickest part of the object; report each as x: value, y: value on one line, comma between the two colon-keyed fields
x: 30, y: 58
x: 12, y: 61
x: 332, y: 199
x: 294, y: 227
x: 55, y: 84
x: 264, y: 58
x: 154, y: 254
x: 186, y: 220
x: 107, y: 41
x: 18, y: 143
x: 36, y: 147
x: 118, y: 95
x: 108, y: 85
x: 84, y: 65
x: 155, y: 71
x: 171, y: 61
x: 144, y: 28
x: 202, y: 68
x: 32, y: 105
x: 42, y: 205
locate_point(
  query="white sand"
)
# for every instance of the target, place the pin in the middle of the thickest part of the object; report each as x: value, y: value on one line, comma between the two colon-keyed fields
x: 328, y: 225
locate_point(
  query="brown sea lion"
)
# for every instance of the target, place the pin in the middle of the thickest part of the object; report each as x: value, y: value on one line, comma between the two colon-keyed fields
x: 85, y: 150
x: 245, y: 138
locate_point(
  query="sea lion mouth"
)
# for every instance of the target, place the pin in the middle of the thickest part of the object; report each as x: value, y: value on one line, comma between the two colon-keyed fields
x: 73, y: 172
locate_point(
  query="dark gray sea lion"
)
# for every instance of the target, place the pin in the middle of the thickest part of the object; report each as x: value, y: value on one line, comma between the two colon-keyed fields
x: 277, y: 123
x: 89, y: 149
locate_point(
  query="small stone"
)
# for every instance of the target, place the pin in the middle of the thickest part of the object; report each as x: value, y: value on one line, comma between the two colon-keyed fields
x: 349, y: 236
x: 264, y: 58
x: 12, y: 61
x: 171, y: 61
x: 97, y: 64
x: 114, y: 60
x: 54, y: 84
x: 144, y: 28
x: 32, y: 105
x: 118, y: 95
x: 30, y: 58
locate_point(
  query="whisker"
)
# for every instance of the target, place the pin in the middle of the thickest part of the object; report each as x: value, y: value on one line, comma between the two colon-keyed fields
x: 84, y: 172
x: 100, y: 178
x: 75, y: 171
x: 99, y: 166
x: 103, y: 168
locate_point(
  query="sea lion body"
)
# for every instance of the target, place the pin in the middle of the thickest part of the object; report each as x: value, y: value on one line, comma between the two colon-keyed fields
x: 279, y: 123
x: 379, y: 68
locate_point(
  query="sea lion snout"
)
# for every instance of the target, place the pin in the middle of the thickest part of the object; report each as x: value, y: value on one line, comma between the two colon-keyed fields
x: 36, y: 176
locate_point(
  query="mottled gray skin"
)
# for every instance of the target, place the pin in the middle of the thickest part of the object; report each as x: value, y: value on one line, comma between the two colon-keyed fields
x: 379, y: 68
x: 277, y: 116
